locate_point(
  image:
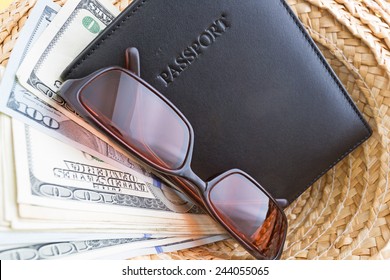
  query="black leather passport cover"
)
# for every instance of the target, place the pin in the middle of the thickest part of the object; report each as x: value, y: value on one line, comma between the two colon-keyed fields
x: 255, y: 88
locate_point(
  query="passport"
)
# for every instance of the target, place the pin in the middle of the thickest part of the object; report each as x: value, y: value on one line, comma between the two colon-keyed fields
x: 256, y: 89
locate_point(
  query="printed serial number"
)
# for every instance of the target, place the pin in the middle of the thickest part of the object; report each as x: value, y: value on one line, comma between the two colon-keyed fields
x: 242, y: 270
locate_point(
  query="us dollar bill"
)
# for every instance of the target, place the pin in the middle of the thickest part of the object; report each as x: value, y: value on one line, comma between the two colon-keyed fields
x: 92, y: 196
x: 4, y: 224
x: 21, y: 104
x: 76, y: 25
x: 2, y: 69
x: 12, y: 239
x: 55, y: 250
x: 54, y: 174
x: 118, y: 248
x: 172, y: 244
x: 42, y: 14
x: 172, y: 247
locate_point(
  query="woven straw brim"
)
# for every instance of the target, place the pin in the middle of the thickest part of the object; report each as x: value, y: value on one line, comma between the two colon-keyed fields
x: 346, y: 213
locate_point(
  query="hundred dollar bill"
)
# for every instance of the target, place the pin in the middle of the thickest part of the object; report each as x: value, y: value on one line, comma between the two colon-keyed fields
x: 52, y: 219
x: 19, y: 103
x: 7, y: 169
x: 13, y: 239
x: 125, y: 210
x: 77, y: 24
x: 65, y: 218
x: 195, y: 224
x: 118, y: 248
x: 172, y: 247
x: 2, y: 69
x: 172, y: 244
x: 51, y: 173
x: 3, y: 223
x: 54, y: 231
x: 40, y: 17
x: 55, y: 250
x: 55, y: 175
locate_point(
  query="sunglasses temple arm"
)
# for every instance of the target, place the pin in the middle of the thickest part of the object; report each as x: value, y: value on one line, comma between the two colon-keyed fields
x: 133, y: 60
x: 282, y: 202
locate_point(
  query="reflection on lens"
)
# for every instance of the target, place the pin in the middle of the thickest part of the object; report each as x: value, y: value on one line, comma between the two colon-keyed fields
x: 250, y: 213
x: 138, y: 117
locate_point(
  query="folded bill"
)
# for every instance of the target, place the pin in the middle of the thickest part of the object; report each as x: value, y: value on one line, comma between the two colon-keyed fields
x: 76, y: 24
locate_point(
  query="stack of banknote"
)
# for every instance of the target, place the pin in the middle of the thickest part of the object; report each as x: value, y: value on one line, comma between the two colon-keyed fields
x: 68, y: 191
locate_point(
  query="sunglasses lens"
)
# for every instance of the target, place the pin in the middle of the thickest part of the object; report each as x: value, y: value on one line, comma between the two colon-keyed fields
x: 139, y: 117
x: 250, y: 213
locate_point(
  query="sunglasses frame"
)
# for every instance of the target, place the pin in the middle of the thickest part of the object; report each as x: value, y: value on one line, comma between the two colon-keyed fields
x: 71, y: 90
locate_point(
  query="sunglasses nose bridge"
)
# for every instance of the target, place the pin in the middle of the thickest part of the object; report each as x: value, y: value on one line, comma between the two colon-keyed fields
x: 190, y: 175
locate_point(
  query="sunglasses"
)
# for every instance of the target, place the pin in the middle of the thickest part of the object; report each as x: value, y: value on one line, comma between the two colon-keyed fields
x: 128, y: 110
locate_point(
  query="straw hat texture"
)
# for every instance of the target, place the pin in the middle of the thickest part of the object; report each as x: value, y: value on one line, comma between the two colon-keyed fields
x: 346, y: 213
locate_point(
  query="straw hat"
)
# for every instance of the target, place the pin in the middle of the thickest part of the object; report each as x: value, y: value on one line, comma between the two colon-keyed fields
x: 346, y: 213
